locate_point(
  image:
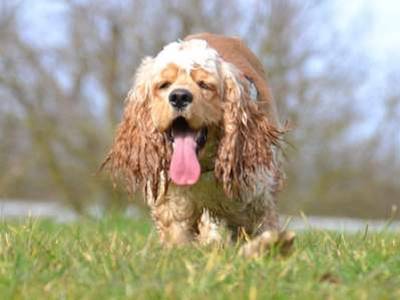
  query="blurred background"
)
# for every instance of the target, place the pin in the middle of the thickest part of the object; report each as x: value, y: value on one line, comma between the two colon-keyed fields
x: 333, y: 67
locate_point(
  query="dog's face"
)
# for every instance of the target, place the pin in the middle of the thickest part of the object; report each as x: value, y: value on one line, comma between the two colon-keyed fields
x: 186, y: 103
x: 187, y: 106
x: 191, y: 96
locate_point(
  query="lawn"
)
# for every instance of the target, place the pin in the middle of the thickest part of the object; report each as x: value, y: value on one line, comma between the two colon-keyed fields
x: 117, y: 257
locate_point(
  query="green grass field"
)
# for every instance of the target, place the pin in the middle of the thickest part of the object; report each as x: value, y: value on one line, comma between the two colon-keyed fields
x: 117, y: 258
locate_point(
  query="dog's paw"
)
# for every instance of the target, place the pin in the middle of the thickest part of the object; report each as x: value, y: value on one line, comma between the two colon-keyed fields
x: 211, y: 230
x: 261, y: 244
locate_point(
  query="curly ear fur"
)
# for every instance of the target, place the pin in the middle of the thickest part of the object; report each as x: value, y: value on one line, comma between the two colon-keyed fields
x: 247, y: 148
x: 139, y: 154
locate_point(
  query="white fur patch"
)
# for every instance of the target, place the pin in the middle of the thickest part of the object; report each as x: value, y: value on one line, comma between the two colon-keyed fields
x: 188, y: 55
x: 209, y: 229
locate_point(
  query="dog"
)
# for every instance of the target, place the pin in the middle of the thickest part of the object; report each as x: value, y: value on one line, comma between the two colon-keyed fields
x: 201, y: 142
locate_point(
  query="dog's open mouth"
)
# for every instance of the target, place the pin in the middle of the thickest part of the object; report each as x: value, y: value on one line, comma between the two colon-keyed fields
x: 185, y: 167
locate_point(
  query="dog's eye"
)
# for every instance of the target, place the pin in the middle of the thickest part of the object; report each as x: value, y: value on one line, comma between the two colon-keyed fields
x: 164, y: 85
x: 203, y: 85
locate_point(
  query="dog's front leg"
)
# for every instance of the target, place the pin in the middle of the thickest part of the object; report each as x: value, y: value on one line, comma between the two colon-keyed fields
x: 175, y: 218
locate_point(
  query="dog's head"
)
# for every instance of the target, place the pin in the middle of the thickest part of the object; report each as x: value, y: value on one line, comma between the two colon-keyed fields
x: 188, y: 106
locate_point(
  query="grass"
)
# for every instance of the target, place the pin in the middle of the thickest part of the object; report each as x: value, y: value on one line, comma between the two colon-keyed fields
x: 119, y: 258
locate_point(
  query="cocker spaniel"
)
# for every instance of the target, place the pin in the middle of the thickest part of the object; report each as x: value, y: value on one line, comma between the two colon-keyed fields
x: 200, y: 141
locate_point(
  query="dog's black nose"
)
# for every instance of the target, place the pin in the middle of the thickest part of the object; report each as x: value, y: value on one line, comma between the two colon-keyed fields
x: 180, y: 98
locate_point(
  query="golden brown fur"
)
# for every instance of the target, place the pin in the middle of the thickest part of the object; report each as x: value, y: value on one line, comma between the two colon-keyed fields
x: 205, y: 108
x: 241, y: 170
x: 233, y: 50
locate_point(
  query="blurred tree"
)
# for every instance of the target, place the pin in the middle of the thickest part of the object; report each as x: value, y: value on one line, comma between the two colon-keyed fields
x: 60, y: 102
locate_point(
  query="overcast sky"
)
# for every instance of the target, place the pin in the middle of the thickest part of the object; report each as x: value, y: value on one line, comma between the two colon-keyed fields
x: 382, y: 20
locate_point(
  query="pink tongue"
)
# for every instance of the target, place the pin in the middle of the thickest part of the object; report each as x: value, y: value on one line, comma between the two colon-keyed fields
x: 184, y: 168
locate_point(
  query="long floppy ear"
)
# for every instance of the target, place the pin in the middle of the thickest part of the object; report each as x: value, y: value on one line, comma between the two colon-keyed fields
x: 139, y: 154
x: 247, y: 151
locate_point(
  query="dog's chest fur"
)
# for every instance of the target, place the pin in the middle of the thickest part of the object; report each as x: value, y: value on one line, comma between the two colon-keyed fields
x: 245, y: 211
